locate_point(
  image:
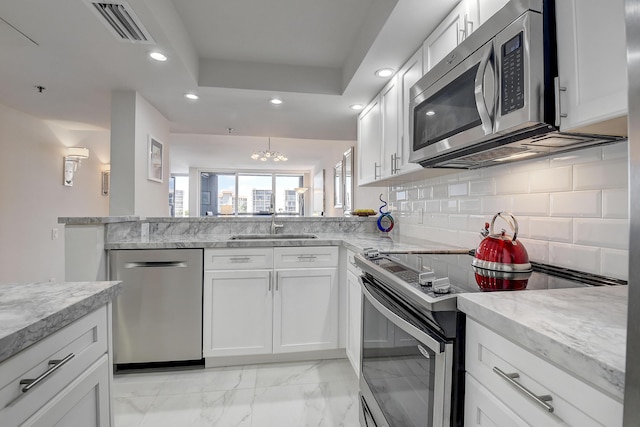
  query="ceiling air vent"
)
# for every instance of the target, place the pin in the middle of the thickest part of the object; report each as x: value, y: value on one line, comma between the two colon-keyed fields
x: 121, y: 20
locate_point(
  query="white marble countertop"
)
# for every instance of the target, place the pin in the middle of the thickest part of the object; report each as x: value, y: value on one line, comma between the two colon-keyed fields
x: 581, y: 330
x: 30, y: 312
x: 353, y: 241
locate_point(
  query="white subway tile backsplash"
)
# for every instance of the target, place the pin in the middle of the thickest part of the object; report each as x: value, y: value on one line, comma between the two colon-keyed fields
x: 531, y: 204
x: 432, y: 206
x: 440, y: 191
x: 555, y: 229
x: 458, y: 189
x: 615, y: 263
x: 493, y: 204
x: 528, y: 165
x: 470, y: 206
x: 548, y: 180
x: 468, y: 239
x: 425, y: 193
x: 482, y: 187
x: 582, y: 258
x: 619, y: 150
x: 437, y: 220
x: 608, y: 233
x: 576, y: 204
x: 450, y: 206
x: 523, y: 226
x: 599, y: 175
x: 537, y: 250
x: 615, y: 203
x: 412, y: 194
x: 458, y: 222
x: 515, y: 183
x: 469, y: 175
x: 476, y: 222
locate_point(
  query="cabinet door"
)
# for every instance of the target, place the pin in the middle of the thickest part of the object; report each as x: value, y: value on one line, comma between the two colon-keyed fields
x: 390, y: 116
x: 305, y: 310
x: 408, y: 75
x: 85, y: 402
x: 483, y: 409
x: 482, y: 10
x: 237, y: 313
x: 592, y: 64
x: 369, y: 142
x: 446, y: 37
x: 354, y: 320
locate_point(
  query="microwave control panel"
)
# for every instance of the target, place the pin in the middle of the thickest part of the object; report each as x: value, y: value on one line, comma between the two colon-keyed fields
x: 512, y: 75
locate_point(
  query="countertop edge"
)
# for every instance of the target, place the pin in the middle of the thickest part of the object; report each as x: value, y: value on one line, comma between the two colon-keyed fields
x: 19, y: 340
x: 587, y: 368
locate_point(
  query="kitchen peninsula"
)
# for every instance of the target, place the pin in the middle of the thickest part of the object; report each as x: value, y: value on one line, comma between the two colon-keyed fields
x: 55, y: 354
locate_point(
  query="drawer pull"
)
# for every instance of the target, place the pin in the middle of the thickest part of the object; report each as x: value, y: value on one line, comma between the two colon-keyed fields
x: 510, y: 378
x: 306, y: 257
x: 55, y: 365
x: 240, y: 259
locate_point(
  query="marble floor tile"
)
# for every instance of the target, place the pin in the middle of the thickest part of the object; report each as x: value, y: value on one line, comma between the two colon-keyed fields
x: 279, y: 374
x: 212, y: 379
x: 316, y: 393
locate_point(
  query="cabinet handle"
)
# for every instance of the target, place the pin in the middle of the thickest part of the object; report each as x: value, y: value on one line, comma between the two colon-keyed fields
x: 55, y: 365
x: 277, y: 279
x: 468, y: 26
x: 240, y: 259
x: 306, y: 257
x: 556, y: 90
x: 463, y: 35
x: 270, y: 279
x: 510, y: 378
x: 376, y: 166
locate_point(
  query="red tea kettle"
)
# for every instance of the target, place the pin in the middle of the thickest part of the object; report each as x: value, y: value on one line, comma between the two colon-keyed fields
x: 501, y: 262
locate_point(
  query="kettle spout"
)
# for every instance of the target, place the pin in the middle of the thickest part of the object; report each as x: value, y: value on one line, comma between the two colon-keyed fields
x: 485, y: 231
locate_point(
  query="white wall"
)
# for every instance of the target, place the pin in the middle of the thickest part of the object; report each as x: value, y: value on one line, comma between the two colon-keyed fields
x: 572, y: 209
x: 33, y: 197
x: 133, y: 120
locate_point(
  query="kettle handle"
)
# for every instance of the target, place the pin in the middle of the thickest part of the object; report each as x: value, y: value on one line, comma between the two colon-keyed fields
x: 513, y: 225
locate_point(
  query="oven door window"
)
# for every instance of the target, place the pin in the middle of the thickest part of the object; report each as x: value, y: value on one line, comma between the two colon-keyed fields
x: 398, y: 369
x: 451, y: 110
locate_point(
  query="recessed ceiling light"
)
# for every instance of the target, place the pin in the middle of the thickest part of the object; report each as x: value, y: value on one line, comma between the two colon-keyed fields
x: 384, y: 72
x: 356, y: 107
x: 191, y: 95
x: 158, y: 56
x: 430, y: 113
x: 275, y: 101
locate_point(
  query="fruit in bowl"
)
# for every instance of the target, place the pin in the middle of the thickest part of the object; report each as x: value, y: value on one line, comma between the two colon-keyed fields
x: 364, y: 212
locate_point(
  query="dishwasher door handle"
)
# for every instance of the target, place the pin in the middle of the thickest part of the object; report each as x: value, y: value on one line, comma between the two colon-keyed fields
x: 155, y: 264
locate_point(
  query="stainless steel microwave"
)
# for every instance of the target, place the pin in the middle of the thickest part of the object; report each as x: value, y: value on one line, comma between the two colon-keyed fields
x: 493, y: 98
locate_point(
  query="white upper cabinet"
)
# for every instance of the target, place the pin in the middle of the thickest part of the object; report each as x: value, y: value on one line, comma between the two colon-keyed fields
x: 446, y: 37
x: 369, y: 142
x: 592, y: 66
x: 390, y: 115
x: 408, y: 75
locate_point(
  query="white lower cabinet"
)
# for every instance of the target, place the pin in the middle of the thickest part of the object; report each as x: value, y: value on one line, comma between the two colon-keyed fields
x: 238, y: 308
x: 290, y: 307
x: 504, y: 379
x: 74, y: 367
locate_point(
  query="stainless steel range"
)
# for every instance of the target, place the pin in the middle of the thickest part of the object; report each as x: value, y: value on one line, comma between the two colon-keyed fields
x: 413, y: 336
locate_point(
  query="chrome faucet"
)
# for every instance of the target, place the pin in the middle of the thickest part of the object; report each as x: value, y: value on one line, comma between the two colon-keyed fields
x: 274, y: 226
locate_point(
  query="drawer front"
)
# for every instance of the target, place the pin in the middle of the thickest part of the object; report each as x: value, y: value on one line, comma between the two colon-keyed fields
x: 351, y: 264
x: 238, y: 259
x: 574, y: 402
x: 80, y: 343
x: 300, y: 257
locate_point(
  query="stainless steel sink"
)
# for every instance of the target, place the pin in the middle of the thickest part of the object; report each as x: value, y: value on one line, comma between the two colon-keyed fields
x: 272, y: 236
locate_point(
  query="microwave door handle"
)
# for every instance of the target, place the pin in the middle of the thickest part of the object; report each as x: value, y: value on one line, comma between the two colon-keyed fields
x: 483, y: 111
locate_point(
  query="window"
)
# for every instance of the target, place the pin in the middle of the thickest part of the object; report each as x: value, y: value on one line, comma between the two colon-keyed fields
x: 249, y: 193
x: 179, y: 195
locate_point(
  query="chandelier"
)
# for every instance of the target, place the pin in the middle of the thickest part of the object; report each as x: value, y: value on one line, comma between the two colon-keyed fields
x: 263, y: 156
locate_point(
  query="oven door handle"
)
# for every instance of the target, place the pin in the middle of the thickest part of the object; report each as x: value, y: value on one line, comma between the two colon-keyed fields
x: 435, y: 345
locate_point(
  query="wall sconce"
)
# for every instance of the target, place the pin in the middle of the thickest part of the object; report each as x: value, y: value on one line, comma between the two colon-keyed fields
x: 106, y: 179
x: 71, y: 163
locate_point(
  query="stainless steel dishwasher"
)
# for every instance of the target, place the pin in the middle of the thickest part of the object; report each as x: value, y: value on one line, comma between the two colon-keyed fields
x: 158, y: 316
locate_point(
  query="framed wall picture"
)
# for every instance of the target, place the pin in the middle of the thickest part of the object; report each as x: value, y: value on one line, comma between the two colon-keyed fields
x: 155, y: 160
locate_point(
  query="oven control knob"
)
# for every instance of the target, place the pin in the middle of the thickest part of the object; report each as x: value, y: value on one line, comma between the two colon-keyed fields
x: 441, y: 286
x: 426, y: 278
